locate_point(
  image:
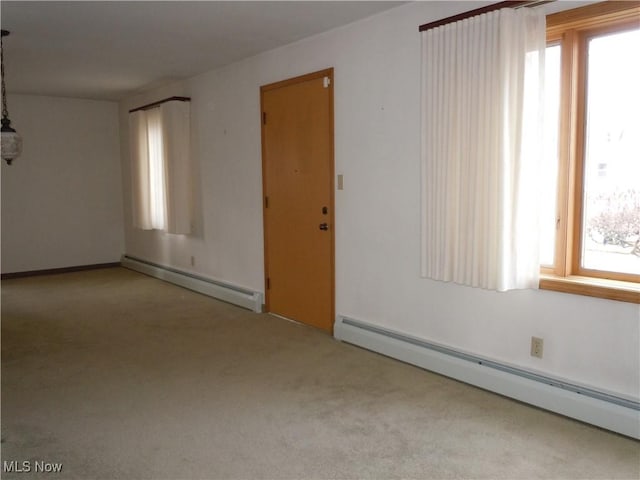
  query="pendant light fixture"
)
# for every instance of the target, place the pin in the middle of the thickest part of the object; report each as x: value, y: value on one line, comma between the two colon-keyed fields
x: 11, y: 141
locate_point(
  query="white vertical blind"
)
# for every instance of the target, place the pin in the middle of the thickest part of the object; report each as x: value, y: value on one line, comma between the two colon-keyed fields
x: 141, y: 205
x: 161, y: 169
x: 176, y: 141
x: 157, y: 178
x: 481, y: 145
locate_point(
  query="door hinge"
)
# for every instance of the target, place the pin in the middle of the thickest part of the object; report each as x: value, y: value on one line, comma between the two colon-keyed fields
x: 266, y: 202
x: 264, y: 118
x: 326, y: 81
x: 268, y: 283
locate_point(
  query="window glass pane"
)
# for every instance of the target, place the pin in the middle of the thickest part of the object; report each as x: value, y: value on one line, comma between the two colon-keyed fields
x: 611, y: 220
x: 549, y: 173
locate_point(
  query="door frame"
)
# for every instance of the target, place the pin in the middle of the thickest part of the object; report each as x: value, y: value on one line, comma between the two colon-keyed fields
x: 328, y: 72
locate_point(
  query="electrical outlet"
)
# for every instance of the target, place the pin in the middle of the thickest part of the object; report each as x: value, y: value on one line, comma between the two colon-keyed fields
x: 537, y: 345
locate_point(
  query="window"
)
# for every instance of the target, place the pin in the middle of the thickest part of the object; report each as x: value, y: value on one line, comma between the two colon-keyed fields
x: 161, y: 179
x: 591, y: 230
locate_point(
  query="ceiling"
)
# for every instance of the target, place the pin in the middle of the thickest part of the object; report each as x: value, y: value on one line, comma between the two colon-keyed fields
x: 108, y: 50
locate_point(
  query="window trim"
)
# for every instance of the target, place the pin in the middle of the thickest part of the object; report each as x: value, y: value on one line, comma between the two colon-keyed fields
x: 572, y: 29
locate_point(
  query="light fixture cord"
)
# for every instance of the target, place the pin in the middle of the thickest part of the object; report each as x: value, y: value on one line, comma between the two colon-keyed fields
x: 5, y: 112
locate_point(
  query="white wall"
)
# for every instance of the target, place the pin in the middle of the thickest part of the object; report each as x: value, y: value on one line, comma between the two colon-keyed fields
x: 377, y: 120
x: 62, y: 199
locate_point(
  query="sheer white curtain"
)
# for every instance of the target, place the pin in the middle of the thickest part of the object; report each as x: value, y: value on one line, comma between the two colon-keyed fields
x: 482, y: 93
x: 161, y: 170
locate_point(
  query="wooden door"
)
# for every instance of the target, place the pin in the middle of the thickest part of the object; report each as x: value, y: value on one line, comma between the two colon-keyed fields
x: 297, y: 165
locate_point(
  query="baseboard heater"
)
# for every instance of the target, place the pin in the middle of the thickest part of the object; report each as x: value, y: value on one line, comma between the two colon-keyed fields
x: 213, y: 288
x: 605, y: 410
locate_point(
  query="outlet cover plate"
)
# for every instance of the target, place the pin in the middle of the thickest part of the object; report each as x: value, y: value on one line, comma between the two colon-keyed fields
x: 537, y: 346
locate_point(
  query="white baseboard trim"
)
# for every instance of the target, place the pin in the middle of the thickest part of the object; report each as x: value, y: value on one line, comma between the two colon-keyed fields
x: 598, y: 408
x: 222, y: 291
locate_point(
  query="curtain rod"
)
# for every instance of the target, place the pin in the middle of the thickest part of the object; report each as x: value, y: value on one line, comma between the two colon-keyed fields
x: 160, y: 102
x: 480, y: 11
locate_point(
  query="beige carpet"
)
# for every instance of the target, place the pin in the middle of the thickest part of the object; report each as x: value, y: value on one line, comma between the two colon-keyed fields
x: 121, y: 376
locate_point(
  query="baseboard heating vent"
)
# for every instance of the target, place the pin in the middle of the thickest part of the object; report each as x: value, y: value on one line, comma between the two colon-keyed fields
x: 606, y: 410
x: 220, y: 290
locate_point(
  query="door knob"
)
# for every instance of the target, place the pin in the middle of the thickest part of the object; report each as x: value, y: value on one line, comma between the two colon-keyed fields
x: 324, y: 226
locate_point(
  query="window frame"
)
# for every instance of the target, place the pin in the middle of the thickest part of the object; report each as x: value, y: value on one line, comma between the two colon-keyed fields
x: 572, y: 29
